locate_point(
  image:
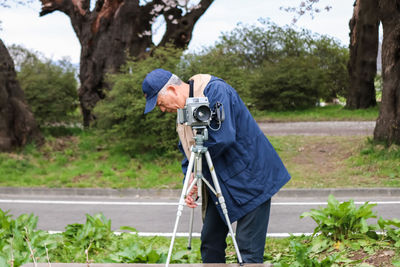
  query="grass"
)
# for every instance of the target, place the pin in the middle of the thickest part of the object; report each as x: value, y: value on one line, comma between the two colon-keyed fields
x: 84, y: 160
x: 327, y: 113
x: 338, y: 161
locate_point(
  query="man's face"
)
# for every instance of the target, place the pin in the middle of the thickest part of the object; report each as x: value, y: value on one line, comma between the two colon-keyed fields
x: 171, y: 99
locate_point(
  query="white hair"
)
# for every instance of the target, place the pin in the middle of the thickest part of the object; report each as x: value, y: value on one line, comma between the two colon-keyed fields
x: 174, y: 80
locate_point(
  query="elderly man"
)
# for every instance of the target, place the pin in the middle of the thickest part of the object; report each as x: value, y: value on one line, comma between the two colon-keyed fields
x: 249, y: 170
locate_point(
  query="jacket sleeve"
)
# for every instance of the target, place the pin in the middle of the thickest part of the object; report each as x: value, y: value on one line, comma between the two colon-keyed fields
x: 221, y: 139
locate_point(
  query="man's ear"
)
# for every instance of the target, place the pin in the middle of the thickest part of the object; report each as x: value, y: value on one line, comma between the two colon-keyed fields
x: 172, y: 89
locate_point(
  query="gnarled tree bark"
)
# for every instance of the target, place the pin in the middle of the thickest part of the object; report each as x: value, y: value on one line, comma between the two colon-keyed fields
x: 115, y: 27
x: 364, y: 41
x: 388, y: 123
x: 17, y: 124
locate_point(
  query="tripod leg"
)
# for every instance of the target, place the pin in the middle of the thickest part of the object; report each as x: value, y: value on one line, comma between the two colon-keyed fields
x: 180, y: 205
x: 189, y: 246
x: 197, y: 178
x: 221, y: 201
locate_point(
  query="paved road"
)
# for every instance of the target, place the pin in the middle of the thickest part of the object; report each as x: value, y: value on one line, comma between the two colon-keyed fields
x: 322, y: 128
x: 157, y: 216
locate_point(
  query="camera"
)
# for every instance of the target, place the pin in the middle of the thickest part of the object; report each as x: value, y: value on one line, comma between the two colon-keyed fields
x: 196, y: 112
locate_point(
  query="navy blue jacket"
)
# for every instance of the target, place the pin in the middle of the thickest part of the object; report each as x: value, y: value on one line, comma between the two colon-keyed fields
x: 248, y: 168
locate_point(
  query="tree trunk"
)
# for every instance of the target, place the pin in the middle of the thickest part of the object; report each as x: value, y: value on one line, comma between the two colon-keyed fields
x: 364, y: 41
x: 17, y: 124
x: 115, y: 29
x: 388, y: 123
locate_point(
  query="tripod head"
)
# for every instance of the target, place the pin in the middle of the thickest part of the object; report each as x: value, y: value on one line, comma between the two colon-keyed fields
x: 201, y: 135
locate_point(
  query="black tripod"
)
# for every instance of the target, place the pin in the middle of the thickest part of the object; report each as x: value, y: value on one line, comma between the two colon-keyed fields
x: 197, y: 152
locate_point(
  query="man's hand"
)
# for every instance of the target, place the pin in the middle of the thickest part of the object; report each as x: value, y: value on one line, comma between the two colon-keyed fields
x: 192, y: 195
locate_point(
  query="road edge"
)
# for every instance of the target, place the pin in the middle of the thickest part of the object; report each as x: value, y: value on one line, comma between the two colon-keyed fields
x: 175, y: 193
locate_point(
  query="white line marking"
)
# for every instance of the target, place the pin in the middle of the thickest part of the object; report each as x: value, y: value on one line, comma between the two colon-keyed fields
x: 68, y: 202
x: 196, y: 234
x: 138, y: 203
x: 325, y: 203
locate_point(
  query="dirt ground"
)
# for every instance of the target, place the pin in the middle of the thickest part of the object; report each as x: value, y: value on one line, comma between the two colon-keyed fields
x: 380, y: 258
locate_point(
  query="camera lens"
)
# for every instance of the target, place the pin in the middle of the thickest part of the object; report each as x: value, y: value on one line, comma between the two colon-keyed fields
x: 202, y: 113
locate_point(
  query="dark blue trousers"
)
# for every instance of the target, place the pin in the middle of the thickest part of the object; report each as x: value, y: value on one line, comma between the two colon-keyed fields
x: 251, y: 232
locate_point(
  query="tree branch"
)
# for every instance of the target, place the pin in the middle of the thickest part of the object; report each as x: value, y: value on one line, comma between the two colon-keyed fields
x: 69, y: 7
x: 180, y: 28
x: 156, y: 7
x: 197, y: 11
x: 105, y: 9
x: 306, y: 6
x: 76, y: 10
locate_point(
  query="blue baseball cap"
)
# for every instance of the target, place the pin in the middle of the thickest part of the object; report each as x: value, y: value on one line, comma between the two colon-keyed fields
x: 152, y: 84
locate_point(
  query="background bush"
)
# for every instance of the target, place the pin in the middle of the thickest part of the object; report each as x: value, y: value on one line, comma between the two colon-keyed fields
x: 120, y: 115
x: 291, y: 83
x: 268, y: 64
x: 223, y: 64
x: 50, y: 87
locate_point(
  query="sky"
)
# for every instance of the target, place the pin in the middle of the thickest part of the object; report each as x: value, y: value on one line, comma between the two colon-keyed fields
x: 53, y: 35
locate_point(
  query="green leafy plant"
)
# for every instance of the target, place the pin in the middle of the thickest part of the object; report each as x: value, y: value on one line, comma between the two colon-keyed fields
x: 391, y: 229
x: 303, y: 255
x: 339, y: 221
x: 20, y: 242
x: 94, y: 241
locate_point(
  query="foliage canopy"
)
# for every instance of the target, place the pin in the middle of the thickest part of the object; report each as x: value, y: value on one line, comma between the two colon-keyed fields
x: 276, y: 67
x: 50, y: 87
x: 271, y: 67
x: 121, y: 112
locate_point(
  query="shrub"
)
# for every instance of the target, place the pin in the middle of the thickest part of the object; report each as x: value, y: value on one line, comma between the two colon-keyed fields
x: 50, y: 87
x: 264, y: 48
x: 120, y: 115
x: 217, y: 62
x: 292, y: 83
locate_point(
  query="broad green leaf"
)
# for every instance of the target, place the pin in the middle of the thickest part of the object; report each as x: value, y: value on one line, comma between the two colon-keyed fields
x: 320, y: 245
x: 152, y: 256
x: 179, y: 255
x: 396, y: 263
x: 364, y: 226
x: 381, y: 223
x: 128, y: 228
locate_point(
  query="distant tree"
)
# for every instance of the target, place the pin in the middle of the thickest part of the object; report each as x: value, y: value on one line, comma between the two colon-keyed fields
x: 23, y: 56
x: 364, y: 41
x: 363, y: 47
x: 51, y: 89
x: 293, y: 83
x: 265, y: 49
x: 115, y: 28
x: 225, y: 65
x: 17, y: 124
